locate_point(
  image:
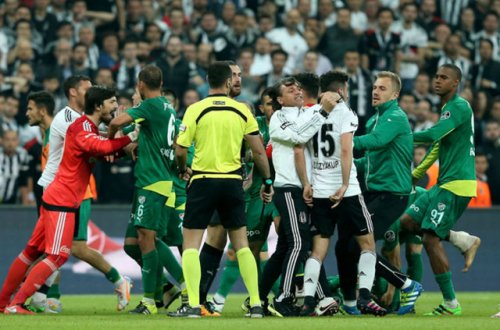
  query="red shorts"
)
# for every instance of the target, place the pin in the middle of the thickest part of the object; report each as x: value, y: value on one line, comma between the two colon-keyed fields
x: 54, y: 231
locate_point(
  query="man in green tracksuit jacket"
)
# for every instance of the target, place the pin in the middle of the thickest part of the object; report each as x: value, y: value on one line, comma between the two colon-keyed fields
x: 388, y: 147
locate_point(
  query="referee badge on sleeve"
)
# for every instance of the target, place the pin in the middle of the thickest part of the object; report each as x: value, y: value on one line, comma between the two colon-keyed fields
x: 182, y: 128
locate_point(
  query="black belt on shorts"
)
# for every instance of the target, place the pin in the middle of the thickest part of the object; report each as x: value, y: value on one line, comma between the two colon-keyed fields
x: 57, y: 208
x: 238, y: 171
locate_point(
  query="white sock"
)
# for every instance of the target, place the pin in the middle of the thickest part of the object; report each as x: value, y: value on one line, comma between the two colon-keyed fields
x: 311, y: 275
x: 219, y: 299
x: 350, y: 303
x: 451, y: 303
x: 366, y: 269
x: 119, y: 282
x: 50, y: 280
x: 462, y: 240
x: 407, y: 283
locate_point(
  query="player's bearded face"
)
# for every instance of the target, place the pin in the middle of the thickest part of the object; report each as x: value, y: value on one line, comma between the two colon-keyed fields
x: 108, y: 109
x: 236, y: 81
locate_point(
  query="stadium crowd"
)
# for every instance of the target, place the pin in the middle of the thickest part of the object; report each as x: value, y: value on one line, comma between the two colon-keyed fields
x: 43, y: 42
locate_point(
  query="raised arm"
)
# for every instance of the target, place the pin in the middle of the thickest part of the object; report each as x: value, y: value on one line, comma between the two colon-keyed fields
x: 97, y: 145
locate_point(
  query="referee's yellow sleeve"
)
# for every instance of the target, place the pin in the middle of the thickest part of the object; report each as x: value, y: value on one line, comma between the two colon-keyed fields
x: 187, y: 129
x: 252, y: 125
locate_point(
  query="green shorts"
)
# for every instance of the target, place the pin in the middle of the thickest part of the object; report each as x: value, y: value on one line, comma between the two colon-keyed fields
x: 438, y: 210
x: 257, y: 228
x: 149, y: 212
x: 82, y: 220
x: 173, y: 236
x: 395, y: 235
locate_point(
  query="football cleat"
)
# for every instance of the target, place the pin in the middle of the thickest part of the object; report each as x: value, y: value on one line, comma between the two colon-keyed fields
x: 326, y: 307
x: 370, y: 307
x: 442, y: 310
x: 123, y: 293
x: 18, y: 309
x: 145, y: 308
x: 54, y: 306
x: 208, y: 309
x: 186, y: 311
x: 408, y: 297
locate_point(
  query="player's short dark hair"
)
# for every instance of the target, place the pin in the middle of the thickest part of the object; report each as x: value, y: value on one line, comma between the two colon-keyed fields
x: 43, y: 99
x: 279, y: 51
x: 331, y: 81
x: 382, y: 10
x: 95, y: 96
x: 455, y: 69
x: 265, y: 92
x: 73, y: 82
x: 151, y: 76
x: 275, y: 90
x: 218, y: 73
x: 309, y: 82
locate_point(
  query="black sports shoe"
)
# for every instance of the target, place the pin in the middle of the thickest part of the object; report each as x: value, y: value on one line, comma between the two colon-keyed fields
x: 186, y: 311
x: 370, y: 307
x: 285, y: 307
x: 307, y: 310
x: 144, y: 308
x: 256, y: 312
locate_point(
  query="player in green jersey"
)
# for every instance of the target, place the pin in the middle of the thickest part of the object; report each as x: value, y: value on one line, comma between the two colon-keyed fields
x: 154, y: 184
x: 435, y: 213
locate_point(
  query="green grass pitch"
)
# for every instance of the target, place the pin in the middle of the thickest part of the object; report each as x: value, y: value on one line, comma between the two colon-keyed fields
x: 98, y: 312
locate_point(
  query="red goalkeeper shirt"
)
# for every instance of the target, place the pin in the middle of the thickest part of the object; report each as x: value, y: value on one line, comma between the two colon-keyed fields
x: 82, y: 145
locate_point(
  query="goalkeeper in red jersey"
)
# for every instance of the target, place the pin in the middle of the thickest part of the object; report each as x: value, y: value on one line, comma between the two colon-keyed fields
x: 53, y: 234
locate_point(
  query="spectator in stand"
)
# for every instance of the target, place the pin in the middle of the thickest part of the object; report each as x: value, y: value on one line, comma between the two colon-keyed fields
x: 9, y: 114
x: 413, y: 45
x: 24, y: 84
x: 278, y: 60
x: 449, y: 11
x: 481, y: 105
x: 309, y: 63
x: 211, y: 33
x: 249, y: 83
x: 104, y: 77
x: 491, y: 148
x: 13, y: 169
x: 427, y: 17
x: 467, y: 31
x: 128, y: 68
x: 490, y: 32
x: 485, y: 74
x: 44, y: 22
x: 52, y: 84
x: 423, y: 111
x: 79, y: 61
x: 436, y: 44
x: 240, y: 34
x: 451, y: 55
x: 135, y: 22
x: 228, y: 14
x: 177, y: 26
x: 483, y: 197
x: 267, y: 23
x: 422, y: 90
x: 359, y: 21
x: 290, y: 40
x: 380, y: 48
x: 174, y: 66
x: 154, y: 36
x: 262, y: 58
x: 326, y: 12
x: 59, y: 9
x: 312, y: 40
x: 109, y: 56
x: 360, y: 89
x: 22, y: 52
x: 339, y: 38
x: 86, y: 36
x: 190, y: 96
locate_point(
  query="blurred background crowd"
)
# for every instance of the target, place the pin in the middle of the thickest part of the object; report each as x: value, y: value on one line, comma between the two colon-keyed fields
x: 43, y: 42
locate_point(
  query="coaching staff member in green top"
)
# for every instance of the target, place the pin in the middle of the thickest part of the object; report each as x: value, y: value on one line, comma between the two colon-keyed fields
x: 217, y: 125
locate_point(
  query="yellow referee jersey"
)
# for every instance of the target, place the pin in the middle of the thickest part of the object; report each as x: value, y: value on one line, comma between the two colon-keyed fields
x: 216, y: 125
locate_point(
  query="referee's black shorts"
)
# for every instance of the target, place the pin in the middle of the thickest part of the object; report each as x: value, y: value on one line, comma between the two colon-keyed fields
x: 206, y: 195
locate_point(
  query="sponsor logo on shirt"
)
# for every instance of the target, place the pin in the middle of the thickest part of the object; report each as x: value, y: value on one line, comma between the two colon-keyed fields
x: 328, y: 165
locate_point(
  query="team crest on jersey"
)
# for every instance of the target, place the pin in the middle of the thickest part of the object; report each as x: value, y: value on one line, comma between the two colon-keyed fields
x: 441, y: 207
x: 303, y: 217
x: 446, y: 115
x: 390, y: 236
x: 141, y: 199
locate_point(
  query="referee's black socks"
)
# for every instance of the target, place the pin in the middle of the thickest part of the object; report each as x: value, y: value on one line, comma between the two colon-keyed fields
x: 209, y: 261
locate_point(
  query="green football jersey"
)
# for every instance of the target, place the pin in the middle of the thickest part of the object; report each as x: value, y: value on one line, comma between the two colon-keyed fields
x: 254, y: 190
x: 154, y: 168
x: 455, y: 133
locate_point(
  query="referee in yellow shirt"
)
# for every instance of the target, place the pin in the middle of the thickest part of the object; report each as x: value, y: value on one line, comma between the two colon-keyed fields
x: 217, y: 126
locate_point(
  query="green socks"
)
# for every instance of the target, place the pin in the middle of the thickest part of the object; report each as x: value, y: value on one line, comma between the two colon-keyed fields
x: 150, y: 273
x: 54, y: 292
x: 229, y: 277
x: 415, y: 267
x: 113, y: 275
x: 446, y: 285
x: 169, y: 261
x: 192, y: 270
x: 248, y: 269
